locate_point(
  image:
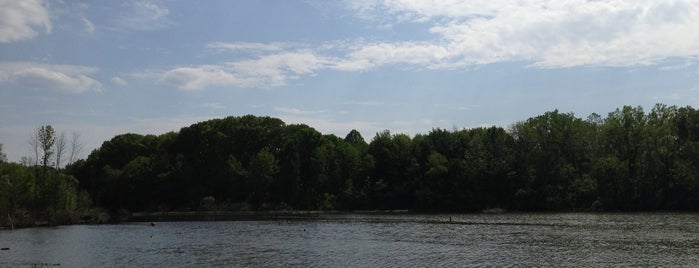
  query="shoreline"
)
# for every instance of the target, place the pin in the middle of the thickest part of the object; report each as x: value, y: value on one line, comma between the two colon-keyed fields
x: 224, y: 215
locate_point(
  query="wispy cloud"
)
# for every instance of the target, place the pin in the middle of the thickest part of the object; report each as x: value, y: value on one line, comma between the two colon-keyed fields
x: 19, y: 20
x: 199, y: 77
x: 263, y: 72
x: 295, y: 111
x: 245, y: 46
x: 370, y: 56
x: 89, y: 27
x: 469, y: 107
x: 142, y: 16
x: 464, y: 34
x: 214, y: 105
x: 119, y: 81
x: 365, y: 103
x: 62, y: 78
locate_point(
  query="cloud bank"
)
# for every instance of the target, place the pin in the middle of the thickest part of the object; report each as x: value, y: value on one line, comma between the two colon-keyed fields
x: 463, y: 34
x: 549, y: 34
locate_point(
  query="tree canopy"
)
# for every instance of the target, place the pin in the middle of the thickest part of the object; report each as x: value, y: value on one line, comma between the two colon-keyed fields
x: 629, y: 160
x: 35, y: 192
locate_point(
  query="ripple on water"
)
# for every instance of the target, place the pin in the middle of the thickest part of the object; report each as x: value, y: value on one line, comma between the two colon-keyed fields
x: 355, y: 240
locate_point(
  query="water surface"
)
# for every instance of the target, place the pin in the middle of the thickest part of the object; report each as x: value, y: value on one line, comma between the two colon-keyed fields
x: 354, y: 240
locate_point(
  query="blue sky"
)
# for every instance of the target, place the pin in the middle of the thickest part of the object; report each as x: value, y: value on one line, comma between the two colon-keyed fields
x: 103, y: 68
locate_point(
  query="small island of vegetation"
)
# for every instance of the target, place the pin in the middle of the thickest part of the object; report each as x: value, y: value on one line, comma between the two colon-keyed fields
x: 627, y: 161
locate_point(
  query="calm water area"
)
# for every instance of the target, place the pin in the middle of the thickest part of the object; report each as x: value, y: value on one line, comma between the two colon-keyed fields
x: 359, y: 240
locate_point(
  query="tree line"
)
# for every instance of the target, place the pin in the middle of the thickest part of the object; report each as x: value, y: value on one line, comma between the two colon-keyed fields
x: 38, y: 191
x: 630, y: 160
x: 627, y: 161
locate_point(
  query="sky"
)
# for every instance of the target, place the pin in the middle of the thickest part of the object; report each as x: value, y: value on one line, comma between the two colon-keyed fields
x: 102, y: 68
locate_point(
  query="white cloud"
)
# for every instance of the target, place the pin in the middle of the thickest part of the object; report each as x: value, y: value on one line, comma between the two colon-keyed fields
x: 277, y: 67
x: 464, y: 34
x: 143, y: 16
x: 35, y: 76
x: 19, y: 20
x: 195, y: 78
x: 547, y: 34
x: 245, y: 46
x: 119, y: 81
x: 376, y: 55
x: 263, y: 72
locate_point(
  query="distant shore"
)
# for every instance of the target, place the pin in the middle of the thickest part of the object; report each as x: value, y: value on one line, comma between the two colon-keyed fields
x: 243, y: 215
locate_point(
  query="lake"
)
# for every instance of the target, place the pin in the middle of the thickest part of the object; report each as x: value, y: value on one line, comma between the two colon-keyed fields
x: 360, y: 240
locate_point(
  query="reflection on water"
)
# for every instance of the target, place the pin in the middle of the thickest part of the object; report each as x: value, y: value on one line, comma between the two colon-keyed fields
x: 662, y: 239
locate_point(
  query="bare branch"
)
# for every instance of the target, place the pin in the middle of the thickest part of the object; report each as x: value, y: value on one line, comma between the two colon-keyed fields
x: 76, y: 147
x: 26, y: 161
x: 60, y: 148
x: 34, y: 145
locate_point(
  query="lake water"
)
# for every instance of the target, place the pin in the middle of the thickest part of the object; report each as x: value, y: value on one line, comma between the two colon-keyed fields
x: 576, y: 239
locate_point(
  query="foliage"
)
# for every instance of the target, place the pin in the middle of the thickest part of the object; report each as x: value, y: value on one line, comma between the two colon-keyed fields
x: 630, y: 160
x: 31, y: 194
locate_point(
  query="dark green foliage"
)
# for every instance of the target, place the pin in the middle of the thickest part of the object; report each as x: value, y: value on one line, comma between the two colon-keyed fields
x: 629, y: 160
x: 53, y: 199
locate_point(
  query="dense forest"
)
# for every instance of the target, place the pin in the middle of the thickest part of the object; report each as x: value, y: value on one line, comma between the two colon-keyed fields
x: 629, y: 160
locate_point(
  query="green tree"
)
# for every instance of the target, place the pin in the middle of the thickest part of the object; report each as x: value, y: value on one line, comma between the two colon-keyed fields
x: 552, y: 151
x: 622, y: 135
x: 611, y: 175
x: 395, y: 171
x: 433, y: 187
x: 47, y: 138
x: 629, y: 160
x: 16, y: 198
x: 263, y: 168
x: 355, y: 139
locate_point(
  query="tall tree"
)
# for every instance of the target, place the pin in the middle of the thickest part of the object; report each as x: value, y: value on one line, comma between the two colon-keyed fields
x: 47, y: 138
